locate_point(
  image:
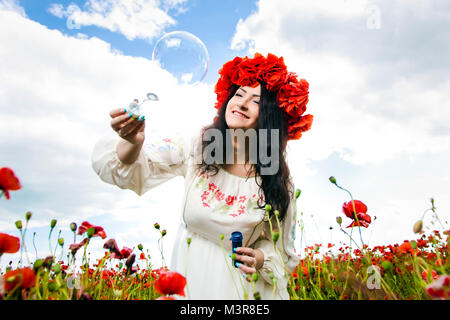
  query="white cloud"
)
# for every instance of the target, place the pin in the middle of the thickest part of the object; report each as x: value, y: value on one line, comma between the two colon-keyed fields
x: 12, y: 5
x: 379, y: 99
x: 143, y: 19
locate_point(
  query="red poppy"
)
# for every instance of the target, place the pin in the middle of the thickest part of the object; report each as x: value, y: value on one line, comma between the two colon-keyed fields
x: 98, y: 230
x: 116, y: 252
x: 434, y: 275
x: 170, y: 282
x: 439, y: 288
x: 74, y: 247
x: 8, y: 181
x: 361, y: 213
x: 406, y: 247
x: 9, y: 244
x: 166, y: 298
x: 142, y: 256
x: 25, y: 277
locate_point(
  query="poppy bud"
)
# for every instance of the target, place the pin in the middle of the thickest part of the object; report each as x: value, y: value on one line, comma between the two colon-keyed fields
x: 271, y: 275
x: 130, y: 261
x: 140, y: 247
x: 275, y: 236
x: 90, y: 232
x: 333, y: 180
x: 257, y: 295
x: 61, y: 242
x: 28, y: 215
x: 432, y: 202
x: 37, y: 264
x: 418, y: 226
x: 277, y: 213
x: 339, y: 220
x: 413, y: 244
x: 268, y: 207
x: 57, y: 268
x: 156, y: 225
x: 255, y: 277
x: 19, y: 224
x: 52, y: 286
x: 163, y: 233
x: 73, y: 226
x: 120, y: 265
x: 297, y: 193
x: 48, y: 261
x: 188, y: 241
x: 53, y: 223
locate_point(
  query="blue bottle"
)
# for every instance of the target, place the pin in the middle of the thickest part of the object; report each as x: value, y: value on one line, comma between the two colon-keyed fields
x: 236, y: 241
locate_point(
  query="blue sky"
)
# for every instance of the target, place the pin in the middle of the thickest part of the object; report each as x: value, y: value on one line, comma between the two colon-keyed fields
x: 379, y: 92
x: 214, y: 22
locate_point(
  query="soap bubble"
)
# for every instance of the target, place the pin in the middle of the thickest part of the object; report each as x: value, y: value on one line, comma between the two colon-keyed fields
x: 135, y: 107
x: 183, y: 55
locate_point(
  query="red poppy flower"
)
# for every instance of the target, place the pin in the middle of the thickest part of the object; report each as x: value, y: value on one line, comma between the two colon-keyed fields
x: 406, y: 247
x: 434, y: 275
x: 439, y: 288
x: 8, y: 181
x: 361, y: 213
x: 170, y: 282
x: 99, y: 232
x: 9, y: 244
x: 74, y: 247
x: 24, y: 276
x: 142, y: 256
x: 166, y: 298
x: 112, y: 246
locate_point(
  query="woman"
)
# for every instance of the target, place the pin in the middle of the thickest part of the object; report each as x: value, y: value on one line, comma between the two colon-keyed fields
x: 220, y: 198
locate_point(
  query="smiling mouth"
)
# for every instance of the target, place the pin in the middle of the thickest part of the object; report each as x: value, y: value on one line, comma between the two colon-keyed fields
x: 240, y: 115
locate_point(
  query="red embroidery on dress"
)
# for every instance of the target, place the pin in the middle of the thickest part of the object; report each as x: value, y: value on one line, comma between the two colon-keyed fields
x: 212, y: 186
x: 205, y: 204
x: 167, y: 140
x: 242, y: 199
x: 205, y: 195
x: 220, y: 196
x: 241, y: 209
x: 230, y: 200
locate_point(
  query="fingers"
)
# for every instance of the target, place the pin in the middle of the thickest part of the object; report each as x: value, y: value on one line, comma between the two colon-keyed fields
x: 117, y: 112
x: 118, y: 122
x: 246, y: 260
x: 246, y: 250
x: 134, y: 130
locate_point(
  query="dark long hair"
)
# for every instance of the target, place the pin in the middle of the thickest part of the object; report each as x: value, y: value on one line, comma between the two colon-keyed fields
x: 278, y: 189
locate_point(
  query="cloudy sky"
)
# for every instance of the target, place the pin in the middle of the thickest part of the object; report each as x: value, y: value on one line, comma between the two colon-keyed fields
x: 379, y: 92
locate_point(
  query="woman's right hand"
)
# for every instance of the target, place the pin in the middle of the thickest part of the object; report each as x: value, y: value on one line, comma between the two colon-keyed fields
x: 127, y: 126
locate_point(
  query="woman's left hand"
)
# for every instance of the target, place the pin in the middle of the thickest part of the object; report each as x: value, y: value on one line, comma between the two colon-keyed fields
x: 250, y: 259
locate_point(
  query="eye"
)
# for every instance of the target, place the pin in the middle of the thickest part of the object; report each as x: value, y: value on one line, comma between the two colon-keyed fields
x: 238, y: 94
x: 257, y: 102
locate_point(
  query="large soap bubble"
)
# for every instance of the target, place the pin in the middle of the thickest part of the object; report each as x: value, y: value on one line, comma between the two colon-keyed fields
x: 183, y: 55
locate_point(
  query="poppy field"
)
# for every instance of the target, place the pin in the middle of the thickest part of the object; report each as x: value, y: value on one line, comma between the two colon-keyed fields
x: 417, y: 269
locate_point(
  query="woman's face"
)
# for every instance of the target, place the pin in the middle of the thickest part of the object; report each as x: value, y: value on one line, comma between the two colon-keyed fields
x: 243, y: 108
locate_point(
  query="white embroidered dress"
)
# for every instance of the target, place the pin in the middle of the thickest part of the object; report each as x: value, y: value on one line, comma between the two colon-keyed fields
x: 212, y: 205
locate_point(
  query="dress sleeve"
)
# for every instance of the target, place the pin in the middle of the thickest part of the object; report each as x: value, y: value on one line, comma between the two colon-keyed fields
x: 158, y: 162
x: 272, y: 259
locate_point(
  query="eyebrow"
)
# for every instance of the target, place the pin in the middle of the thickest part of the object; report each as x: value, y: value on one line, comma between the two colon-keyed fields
x: 255, y: 95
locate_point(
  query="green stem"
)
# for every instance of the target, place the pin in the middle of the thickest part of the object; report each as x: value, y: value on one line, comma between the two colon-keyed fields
x: 228, y: 267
